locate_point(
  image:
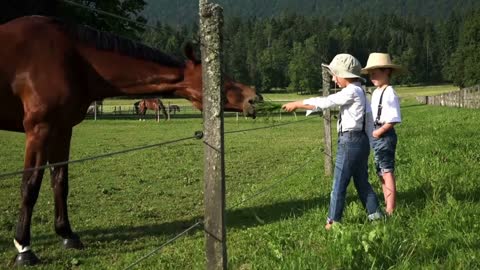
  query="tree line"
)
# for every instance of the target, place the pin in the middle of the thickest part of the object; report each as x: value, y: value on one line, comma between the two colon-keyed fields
x: 181, y: 12
x: 286, y: 52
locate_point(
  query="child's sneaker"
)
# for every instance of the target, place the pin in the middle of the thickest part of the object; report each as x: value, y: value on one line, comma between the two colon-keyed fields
x: 375, y: 216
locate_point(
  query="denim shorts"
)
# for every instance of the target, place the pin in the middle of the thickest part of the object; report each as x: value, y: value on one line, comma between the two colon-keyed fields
x: 384, y: 152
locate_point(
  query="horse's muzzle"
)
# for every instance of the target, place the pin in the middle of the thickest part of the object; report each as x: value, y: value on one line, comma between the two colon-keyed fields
x: 249, y: 106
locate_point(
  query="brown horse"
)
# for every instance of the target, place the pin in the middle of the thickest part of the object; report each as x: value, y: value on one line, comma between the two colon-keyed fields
x: 50, y: 72
x: 154, y: 104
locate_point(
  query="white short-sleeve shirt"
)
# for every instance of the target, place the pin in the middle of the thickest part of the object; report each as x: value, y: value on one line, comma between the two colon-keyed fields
x: 390, y: 106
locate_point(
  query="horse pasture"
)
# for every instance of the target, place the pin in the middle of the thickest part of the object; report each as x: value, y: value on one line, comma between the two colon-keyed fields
x: 127, y: 205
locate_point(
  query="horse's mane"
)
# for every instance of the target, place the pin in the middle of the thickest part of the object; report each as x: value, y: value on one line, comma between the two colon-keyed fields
x: 110, y: 42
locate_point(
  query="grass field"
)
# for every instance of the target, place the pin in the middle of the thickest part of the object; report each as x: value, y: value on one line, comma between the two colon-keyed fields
x: 125, y: 206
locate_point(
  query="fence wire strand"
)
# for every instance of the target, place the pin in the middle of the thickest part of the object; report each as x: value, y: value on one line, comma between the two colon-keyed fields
x: 173, y: 239
x: 4, y: 175
x: 270, y: 126
x: 99, y: 11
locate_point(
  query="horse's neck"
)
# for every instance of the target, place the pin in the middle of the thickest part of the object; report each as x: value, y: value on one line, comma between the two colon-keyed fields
x: 130, y: 76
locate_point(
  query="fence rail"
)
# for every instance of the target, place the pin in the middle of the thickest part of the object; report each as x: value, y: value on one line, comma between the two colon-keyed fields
x: 463, y: 98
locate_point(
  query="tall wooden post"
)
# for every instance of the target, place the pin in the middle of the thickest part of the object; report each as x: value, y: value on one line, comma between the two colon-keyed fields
x: 327, y: 126
x: 211, y: 23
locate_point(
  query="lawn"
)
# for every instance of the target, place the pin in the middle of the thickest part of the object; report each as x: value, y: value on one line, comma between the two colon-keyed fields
x: 125, y: 206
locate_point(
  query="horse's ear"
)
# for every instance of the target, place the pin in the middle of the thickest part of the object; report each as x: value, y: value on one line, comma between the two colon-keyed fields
x: 189, y: 51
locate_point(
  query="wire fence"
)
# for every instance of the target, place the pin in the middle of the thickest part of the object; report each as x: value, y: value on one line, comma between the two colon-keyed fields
x: 262, y: 191
x: 197, y: 135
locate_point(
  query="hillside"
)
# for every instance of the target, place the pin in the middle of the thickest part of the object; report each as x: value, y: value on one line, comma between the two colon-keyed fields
x: 185, y: 11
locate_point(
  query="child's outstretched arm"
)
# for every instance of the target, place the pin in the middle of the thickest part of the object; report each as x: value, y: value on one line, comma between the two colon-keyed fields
x: 292, y: 106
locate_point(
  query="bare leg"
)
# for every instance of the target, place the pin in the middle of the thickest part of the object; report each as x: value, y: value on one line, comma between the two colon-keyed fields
x: 389, y: 192
x: 59, y: 151
x: 35, y: 156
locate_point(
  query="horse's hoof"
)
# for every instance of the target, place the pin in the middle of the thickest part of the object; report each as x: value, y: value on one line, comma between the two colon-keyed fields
x: 26, y: 258
x: 73, y: 243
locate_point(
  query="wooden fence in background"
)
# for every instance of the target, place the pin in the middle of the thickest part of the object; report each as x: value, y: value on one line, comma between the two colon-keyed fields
x: 464, y: 98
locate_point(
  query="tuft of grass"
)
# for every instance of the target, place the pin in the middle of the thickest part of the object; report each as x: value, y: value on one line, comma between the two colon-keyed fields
x: 267, y: 107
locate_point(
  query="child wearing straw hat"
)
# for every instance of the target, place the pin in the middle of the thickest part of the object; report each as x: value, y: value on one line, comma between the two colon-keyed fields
x: 386, y: 114
x: 353, y: 143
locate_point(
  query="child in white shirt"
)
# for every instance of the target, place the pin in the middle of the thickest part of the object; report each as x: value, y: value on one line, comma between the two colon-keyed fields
x: 386, y: 114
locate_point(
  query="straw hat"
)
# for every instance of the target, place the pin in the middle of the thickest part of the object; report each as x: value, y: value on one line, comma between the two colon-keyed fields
x: 380, y: 60
x: 345, y: 66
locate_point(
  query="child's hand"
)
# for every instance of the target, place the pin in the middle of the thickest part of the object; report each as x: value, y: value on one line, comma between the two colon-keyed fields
x: 377, y: 133
x: 290, y: 107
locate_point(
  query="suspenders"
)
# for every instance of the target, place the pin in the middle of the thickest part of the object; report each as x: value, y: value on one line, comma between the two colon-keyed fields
x: 379, y: 111
x: 364, y: 110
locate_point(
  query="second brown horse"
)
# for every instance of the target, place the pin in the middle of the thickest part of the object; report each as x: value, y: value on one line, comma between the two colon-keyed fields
x: 154, y: 104
x: 49, y: 74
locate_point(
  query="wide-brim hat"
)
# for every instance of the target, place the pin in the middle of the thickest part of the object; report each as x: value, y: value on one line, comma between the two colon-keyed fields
x: 344, y: 66
x: 381, y: 60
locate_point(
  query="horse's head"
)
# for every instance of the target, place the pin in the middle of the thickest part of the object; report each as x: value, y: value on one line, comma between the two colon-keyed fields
x: 238, y: 97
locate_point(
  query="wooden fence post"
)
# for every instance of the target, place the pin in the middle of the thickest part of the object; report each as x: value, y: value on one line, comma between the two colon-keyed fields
x: 95, y: 111
x: 211, y: 23
x: 168, y: 110
x: 327, y: 126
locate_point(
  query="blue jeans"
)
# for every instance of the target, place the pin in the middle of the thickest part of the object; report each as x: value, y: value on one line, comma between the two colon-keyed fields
x: 352, y: 161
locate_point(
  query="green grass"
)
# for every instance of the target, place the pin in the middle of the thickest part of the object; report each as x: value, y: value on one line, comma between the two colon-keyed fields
x: 412, y: 92
x: 125, y: 206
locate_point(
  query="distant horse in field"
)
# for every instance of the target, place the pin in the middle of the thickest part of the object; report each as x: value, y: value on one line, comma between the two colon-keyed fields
x: 95, y: 107
x: 154, y: 104
x: 51, y: 71
x: 173, y: 108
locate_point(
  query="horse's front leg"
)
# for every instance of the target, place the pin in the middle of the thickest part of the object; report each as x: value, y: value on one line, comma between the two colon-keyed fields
x: 59, y: 149
x: 35, y: 156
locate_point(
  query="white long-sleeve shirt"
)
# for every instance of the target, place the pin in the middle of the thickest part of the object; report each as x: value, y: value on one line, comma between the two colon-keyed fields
x: 353, y: 103
x: 390, y: 106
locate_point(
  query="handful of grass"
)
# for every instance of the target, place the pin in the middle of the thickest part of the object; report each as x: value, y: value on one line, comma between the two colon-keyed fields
x: 267, y: 106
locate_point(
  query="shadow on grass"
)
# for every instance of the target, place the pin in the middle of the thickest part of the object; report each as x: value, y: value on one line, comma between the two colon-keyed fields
x: 240, y: 218
x: 6, y: 244
x: 416, y: 197
x: 472, y: 195
x: 237, y: 218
